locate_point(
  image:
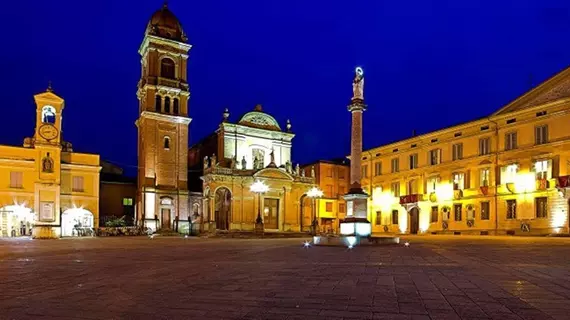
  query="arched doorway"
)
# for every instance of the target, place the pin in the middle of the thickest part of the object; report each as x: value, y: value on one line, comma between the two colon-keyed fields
x: 16, y: 221
x: 414, y: 220
x: 223, y: 203
x: 76, y: 222
x: 305, y: 213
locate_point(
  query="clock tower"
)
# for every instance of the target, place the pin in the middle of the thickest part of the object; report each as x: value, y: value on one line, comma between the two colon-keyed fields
x: 163, y: 95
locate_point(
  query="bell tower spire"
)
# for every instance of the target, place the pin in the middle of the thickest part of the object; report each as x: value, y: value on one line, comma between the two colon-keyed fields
x: 163, y: 95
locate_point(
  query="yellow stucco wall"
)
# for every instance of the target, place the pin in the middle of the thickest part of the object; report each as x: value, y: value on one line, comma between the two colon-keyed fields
x: 378, y: 180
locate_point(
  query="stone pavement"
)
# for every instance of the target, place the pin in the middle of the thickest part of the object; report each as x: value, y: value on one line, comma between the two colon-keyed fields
x: 436, y: 277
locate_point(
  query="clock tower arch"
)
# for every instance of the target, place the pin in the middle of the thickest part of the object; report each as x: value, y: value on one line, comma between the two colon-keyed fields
x: 163, y: 95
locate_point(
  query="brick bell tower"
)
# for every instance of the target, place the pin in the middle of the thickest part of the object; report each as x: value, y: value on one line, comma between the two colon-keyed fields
x: 163, y: 95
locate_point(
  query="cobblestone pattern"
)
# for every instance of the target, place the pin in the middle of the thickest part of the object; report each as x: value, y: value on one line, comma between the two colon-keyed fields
x: 174, y: 278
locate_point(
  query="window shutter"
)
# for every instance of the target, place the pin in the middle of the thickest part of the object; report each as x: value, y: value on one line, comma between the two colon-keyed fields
x: 546, y: 134
x: 554, y: 167
x: 467, y: 179
x: 537, y: 135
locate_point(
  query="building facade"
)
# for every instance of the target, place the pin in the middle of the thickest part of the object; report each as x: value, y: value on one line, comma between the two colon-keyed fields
x: 503, y: 174
x: 117, y: 195
x: 163, y: 94
x: 233, y: 158
x: 47, y: 190
x: 332, y: 177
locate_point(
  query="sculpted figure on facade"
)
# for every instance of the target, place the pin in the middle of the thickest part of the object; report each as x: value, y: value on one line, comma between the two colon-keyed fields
x: 234, y: 163
x: 213, y: 161
x: 243, y: 163
x: 303, y: 173
x: 358, y: 84
x: 206, y: 162
x: 272, y: 156
x: 312, y: 171
x: 47, y: 164
x: 288, y: 168
x: 255, y: 163
x: 297, y: 169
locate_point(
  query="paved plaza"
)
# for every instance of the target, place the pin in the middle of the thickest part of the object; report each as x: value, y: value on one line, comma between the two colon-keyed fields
x: 435, y: 277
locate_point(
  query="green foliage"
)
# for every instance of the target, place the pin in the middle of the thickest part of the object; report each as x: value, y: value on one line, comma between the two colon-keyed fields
x: 116, y: 222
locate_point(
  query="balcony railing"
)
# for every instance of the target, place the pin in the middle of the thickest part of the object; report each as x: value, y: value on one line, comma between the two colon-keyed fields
x: 411, y: 198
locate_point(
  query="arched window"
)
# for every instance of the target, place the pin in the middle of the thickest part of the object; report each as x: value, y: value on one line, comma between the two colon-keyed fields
x: 166, y: 142
x: 175, y: 106
x: 167, y: 105
x: 48, y: 114
x: 167, y: 68
x: 158, y: 103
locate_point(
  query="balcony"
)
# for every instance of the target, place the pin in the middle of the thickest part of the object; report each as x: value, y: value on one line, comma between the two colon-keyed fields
x: 411, y: 198
x: 168, y: 82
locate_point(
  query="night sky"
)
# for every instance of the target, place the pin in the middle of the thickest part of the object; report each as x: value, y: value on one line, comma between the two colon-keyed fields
x: 427, y: 65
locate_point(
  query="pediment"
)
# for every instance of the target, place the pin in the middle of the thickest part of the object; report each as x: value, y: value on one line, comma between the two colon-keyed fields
x: 273, y: 173
x: 48, y: 96
x: 554, y: 89
x: 485, y: 162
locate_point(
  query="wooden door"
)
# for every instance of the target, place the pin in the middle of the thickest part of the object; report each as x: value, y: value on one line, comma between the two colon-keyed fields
x: 414, y: 220
x: 165, y: 213
x: 271, y: 213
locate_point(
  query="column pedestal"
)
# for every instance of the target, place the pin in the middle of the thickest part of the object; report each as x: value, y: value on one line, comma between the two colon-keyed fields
x: 356, y: 222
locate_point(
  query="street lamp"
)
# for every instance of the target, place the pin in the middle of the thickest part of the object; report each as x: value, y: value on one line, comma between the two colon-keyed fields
x: 314, y: 193
x: 259, y: 187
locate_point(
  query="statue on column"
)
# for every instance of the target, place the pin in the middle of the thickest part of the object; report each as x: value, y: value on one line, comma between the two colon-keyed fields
x: 297, y: 169
x: 213, y: 159
x: 358, y: 84
x: 312, y: 171
x: 243, y: 163
x: 255, y: 163
x: 206, y: 162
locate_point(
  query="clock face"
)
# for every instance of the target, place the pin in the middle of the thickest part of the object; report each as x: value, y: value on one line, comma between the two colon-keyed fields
x: 48, y: 132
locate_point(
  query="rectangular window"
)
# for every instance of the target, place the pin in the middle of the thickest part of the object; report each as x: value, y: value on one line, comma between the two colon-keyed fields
x: 378, y: 168
x: 394, y: 216
x: 412, y: 187
x: 541, y: 207
x: 458, y: 181
x: 365, y: 171
x: 127, y: 202
x: 396, y: 189
x: 431, y: 184
x: 484, y: 146
x: 434, y: 214
x: 511, y: 209
x: 341, y: 173
x: 378, y: 220
x: 509, y: 173
x: 395, y: 165
x: 510, y: 141
x: 341, y: 190
x: 541, y: 168
x: 328, y: 206
x: 485, y: 213
x: 435, y: 157
x: 458, y: 151
x: 328, y: 191
x: 413, y: 161
x: 16, y: 179
x: 329, y: 172
x: 341, y: 208
x: 77, y: 184
x: 541, y: 134
x: 484, y: 176
x: 457, y: 211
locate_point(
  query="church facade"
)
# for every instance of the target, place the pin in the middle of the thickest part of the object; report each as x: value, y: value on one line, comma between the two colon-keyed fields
x: 47, y: 190
x: 241, y: 155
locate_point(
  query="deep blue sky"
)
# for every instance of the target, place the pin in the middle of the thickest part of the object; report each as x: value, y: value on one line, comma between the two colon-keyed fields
x: 428, y: 64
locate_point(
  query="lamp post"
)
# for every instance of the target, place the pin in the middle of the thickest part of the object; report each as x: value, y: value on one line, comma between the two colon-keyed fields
x: 259, y: 188
x: 314, y: 193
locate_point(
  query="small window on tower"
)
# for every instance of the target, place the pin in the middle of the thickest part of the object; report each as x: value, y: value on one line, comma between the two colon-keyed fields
x: 175, y: 106
x: 167, y: 68
x: 167, y: 143
x: 167, y: 105
x: 158, y: 103
x: 48, y: 114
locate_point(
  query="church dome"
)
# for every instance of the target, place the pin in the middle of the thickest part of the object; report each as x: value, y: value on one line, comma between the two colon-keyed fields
x: 259, y: 119
x: 164, y: 24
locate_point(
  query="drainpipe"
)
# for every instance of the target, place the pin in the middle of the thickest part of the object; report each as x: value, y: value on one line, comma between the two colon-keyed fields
x: 497, y: 173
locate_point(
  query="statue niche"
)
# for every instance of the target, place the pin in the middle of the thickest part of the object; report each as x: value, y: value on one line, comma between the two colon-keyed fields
x: 47, y: 164
x: 260, y: 156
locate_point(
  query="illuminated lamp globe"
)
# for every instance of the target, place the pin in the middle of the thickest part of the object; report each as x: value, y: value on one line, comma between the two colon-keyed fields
x: 259, y: 187
x: 315, y: 192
